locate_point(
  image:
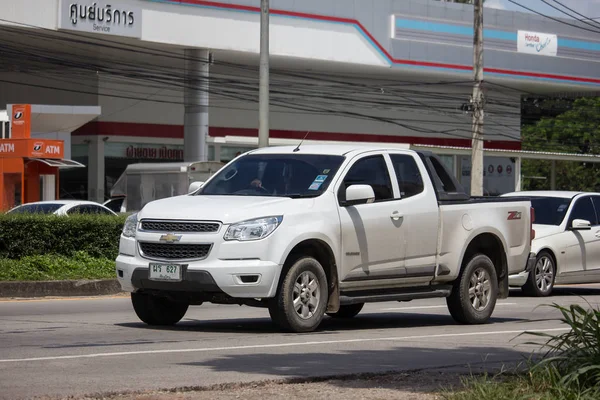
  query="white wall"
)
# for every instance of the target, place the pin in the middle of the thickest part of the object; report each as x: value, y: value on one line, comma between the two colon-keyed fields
x: 39, y: 13
x: 240, y: 31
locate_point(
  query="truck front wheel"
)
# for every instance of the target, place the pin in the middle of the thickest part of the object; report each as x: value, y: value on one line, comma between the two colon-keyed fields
x: 301, y: 300
x: 155, y: 310
x: 475, y: 292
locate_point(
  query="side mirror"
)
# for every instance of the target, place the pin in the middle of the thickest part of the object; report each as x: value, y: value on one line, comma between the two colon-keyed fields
x: 194, y: 186
x: 359, y: 194
x: 581, y: 224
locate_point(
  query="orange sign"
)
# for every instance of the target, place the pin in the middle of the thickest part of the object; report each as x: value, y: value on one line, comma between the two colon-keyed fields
x: 20, y: 121
x: 32, y: 148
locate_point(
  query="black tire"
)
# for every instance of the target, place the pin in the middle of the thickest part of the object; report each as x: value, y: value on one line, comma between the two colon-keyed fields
x: 540, y: 281
x: 470, y: 311
x: 155, y: 310
x: 347, y: 311
x: 281, y: 308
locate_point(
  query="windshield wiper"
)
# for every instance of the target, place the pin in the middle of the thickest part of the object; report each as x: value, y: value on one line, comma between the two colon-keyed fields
x: 299, y: 195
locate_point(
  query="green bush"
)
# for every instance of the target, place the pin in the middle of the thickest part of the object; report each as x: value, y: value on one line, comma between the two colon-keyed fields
x: 568, y: 370
x: 56, y: 267
x: 572, y: 359
x: 23, y: 235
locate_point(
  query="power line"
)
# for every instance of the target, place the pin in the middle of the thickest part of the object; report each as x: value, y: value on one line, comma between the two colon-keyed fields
x: 310, y: 93
x: 568, y: 14
x: 584, y: 18
x: 552, y: 18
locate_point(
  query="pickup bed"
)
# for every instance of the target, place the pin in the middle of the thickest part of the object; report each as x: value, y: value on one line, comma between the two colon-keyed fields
x: 312, y: 230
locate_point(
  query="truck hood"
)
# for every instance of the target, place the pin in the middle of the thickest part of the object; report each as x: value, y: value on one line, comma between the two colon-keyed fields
x: 542, y: 231
x: 227, y: 209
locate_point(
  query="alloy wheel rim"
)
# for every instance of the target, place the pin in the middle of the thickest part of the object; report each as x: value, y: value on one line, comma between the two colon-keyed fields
x: 480, y: 287
x: 544, y: 273
x: 306, y: 295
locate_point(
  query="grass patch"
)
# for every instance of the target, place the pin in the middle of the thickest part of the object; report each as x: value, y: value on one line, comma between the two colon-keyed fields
x: 568, y: 370
x: 57, y: 267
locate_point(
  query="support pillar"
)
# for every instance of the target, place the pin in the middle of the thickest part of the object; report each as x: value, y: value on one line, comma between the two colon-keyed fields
x: 457, y: 161
x: 96, y: 169
x: 518, y: 182
x: 553, y: 175
x: 196, y: 101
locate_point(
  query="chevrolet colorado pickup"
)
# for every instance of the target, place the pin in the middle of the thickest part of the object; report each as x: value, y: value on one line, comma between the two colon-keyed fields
x: 312, y: 230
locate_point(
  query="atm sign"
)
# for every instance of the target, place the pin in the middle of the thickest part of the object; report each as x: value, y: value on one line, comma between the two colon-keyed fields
x: 41, y: 149
x: 7, y: 147
x: 53, y: 150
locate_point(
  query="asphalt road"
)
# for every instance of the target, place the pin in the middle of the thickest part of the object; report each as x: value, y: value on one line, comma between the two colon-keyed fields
x: 66, y: 347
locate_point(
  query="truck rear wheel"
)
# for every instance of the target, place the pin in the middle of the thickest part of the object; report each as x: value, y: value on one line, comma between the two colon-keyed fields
x: 474, y: 294
x: 347, y: 311
x: 155, y: 310
x: 301, y: 300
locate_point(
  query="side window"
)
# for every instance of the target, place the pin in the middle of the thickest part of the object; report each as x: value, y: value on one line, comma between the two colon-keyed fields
x: 75, y: 210
x: 408, y: 175
x: 103, y: 211
x: 371, y: 171
x: 596, y: 201
x: 442, y: 174
x: 584, y: 209
x: 97, y: 210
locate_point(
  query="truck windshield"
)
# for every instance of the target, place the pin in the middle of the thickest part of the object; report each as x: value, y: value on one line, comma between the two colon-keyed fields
x: 550, y: 210
x: 277, y: 175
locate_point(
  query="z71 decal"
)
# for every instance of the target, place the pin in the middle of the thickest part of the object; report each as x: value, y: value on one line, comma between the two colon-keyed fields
x: 512, y: 215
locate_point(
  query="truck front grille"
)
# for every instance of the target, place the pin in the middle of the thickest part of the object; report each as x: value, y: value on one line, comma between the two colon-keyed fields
x: 180, y: 226
x: 174, y: 251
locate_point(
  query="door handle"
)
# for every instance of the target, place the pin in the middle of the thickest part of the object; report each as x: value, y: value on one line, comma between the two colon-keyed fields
x: 396, y: 216
x: 598, y: 234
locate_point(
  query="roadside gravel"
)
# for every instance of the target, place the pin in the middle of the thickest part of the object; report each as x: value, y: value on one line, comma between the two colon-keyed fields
x: 397, y: 386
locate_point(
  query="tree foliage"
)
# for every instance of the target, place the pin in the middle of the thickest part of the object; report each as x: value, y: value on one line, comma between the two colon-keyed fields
x: 574, y: 131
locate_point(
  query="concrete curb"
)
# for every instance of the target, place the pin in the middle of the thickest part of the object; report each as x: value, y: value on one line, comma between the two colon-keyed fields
x: 60, y: 288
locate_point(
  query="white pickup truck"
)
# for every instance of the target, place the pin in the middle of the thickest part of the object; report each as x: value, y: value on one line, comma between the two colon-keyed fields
x: 312, y: 230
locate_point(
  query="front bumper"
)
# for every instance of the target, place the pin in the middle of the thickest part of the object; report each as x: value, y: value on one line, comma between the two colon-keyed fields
x: 518, y: 280
x: 215, y: 276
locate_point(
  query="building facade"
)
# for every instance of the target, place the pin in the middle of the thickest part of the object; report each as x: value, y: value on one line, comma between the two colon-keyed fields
x: 178, y: 79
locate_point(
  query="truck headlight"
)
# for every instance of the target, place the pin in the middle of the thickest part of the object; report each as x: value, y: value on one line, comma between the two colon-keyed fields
x: 130, y: 226
x: 254, y: 229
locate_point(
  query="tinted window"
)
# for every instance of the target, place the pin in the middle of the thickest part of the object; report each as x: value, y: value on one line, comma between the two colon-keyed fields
x: 550, y: 210
x: 115, y: 204
x: 88, y: 209
x: 443, y: 177
x: 371, y: 171
x: 584, y: 209
x: 596, y: 201
x: 77, y: 210
x: 284, y: 175
x: 46, y: 208
x: 408, y: 175
x: 98, y: 210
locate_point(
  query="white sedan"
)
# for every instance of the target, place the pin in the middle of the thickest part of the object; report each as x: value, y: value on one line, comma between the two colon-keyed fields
x: 62, y: 207
x: 567, y: 240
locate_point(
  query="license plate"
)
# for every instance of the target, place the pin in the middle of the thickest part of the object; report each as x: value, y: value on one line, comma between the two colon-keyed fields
x: 165, y: 272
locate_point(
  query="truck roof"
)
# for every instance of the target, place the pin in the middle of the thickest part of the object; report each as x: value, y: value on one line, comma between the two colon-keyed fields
x: 323, y: 149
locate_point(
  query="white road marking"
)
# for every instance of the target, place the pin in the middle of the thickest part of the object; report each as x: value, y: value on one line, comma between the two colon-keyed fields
x: 278, y: 345
x: 427, y: 307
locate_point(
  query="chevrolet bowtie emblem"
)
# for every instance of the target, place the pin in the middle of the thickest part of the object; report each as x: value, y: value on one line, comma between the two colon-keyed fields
x: 170, y: 238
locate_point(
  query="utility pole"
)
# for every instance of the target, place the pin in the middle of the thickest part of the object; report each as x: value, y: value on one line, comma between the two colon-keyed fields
x: 263, y: 93
x: 477, y: 142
